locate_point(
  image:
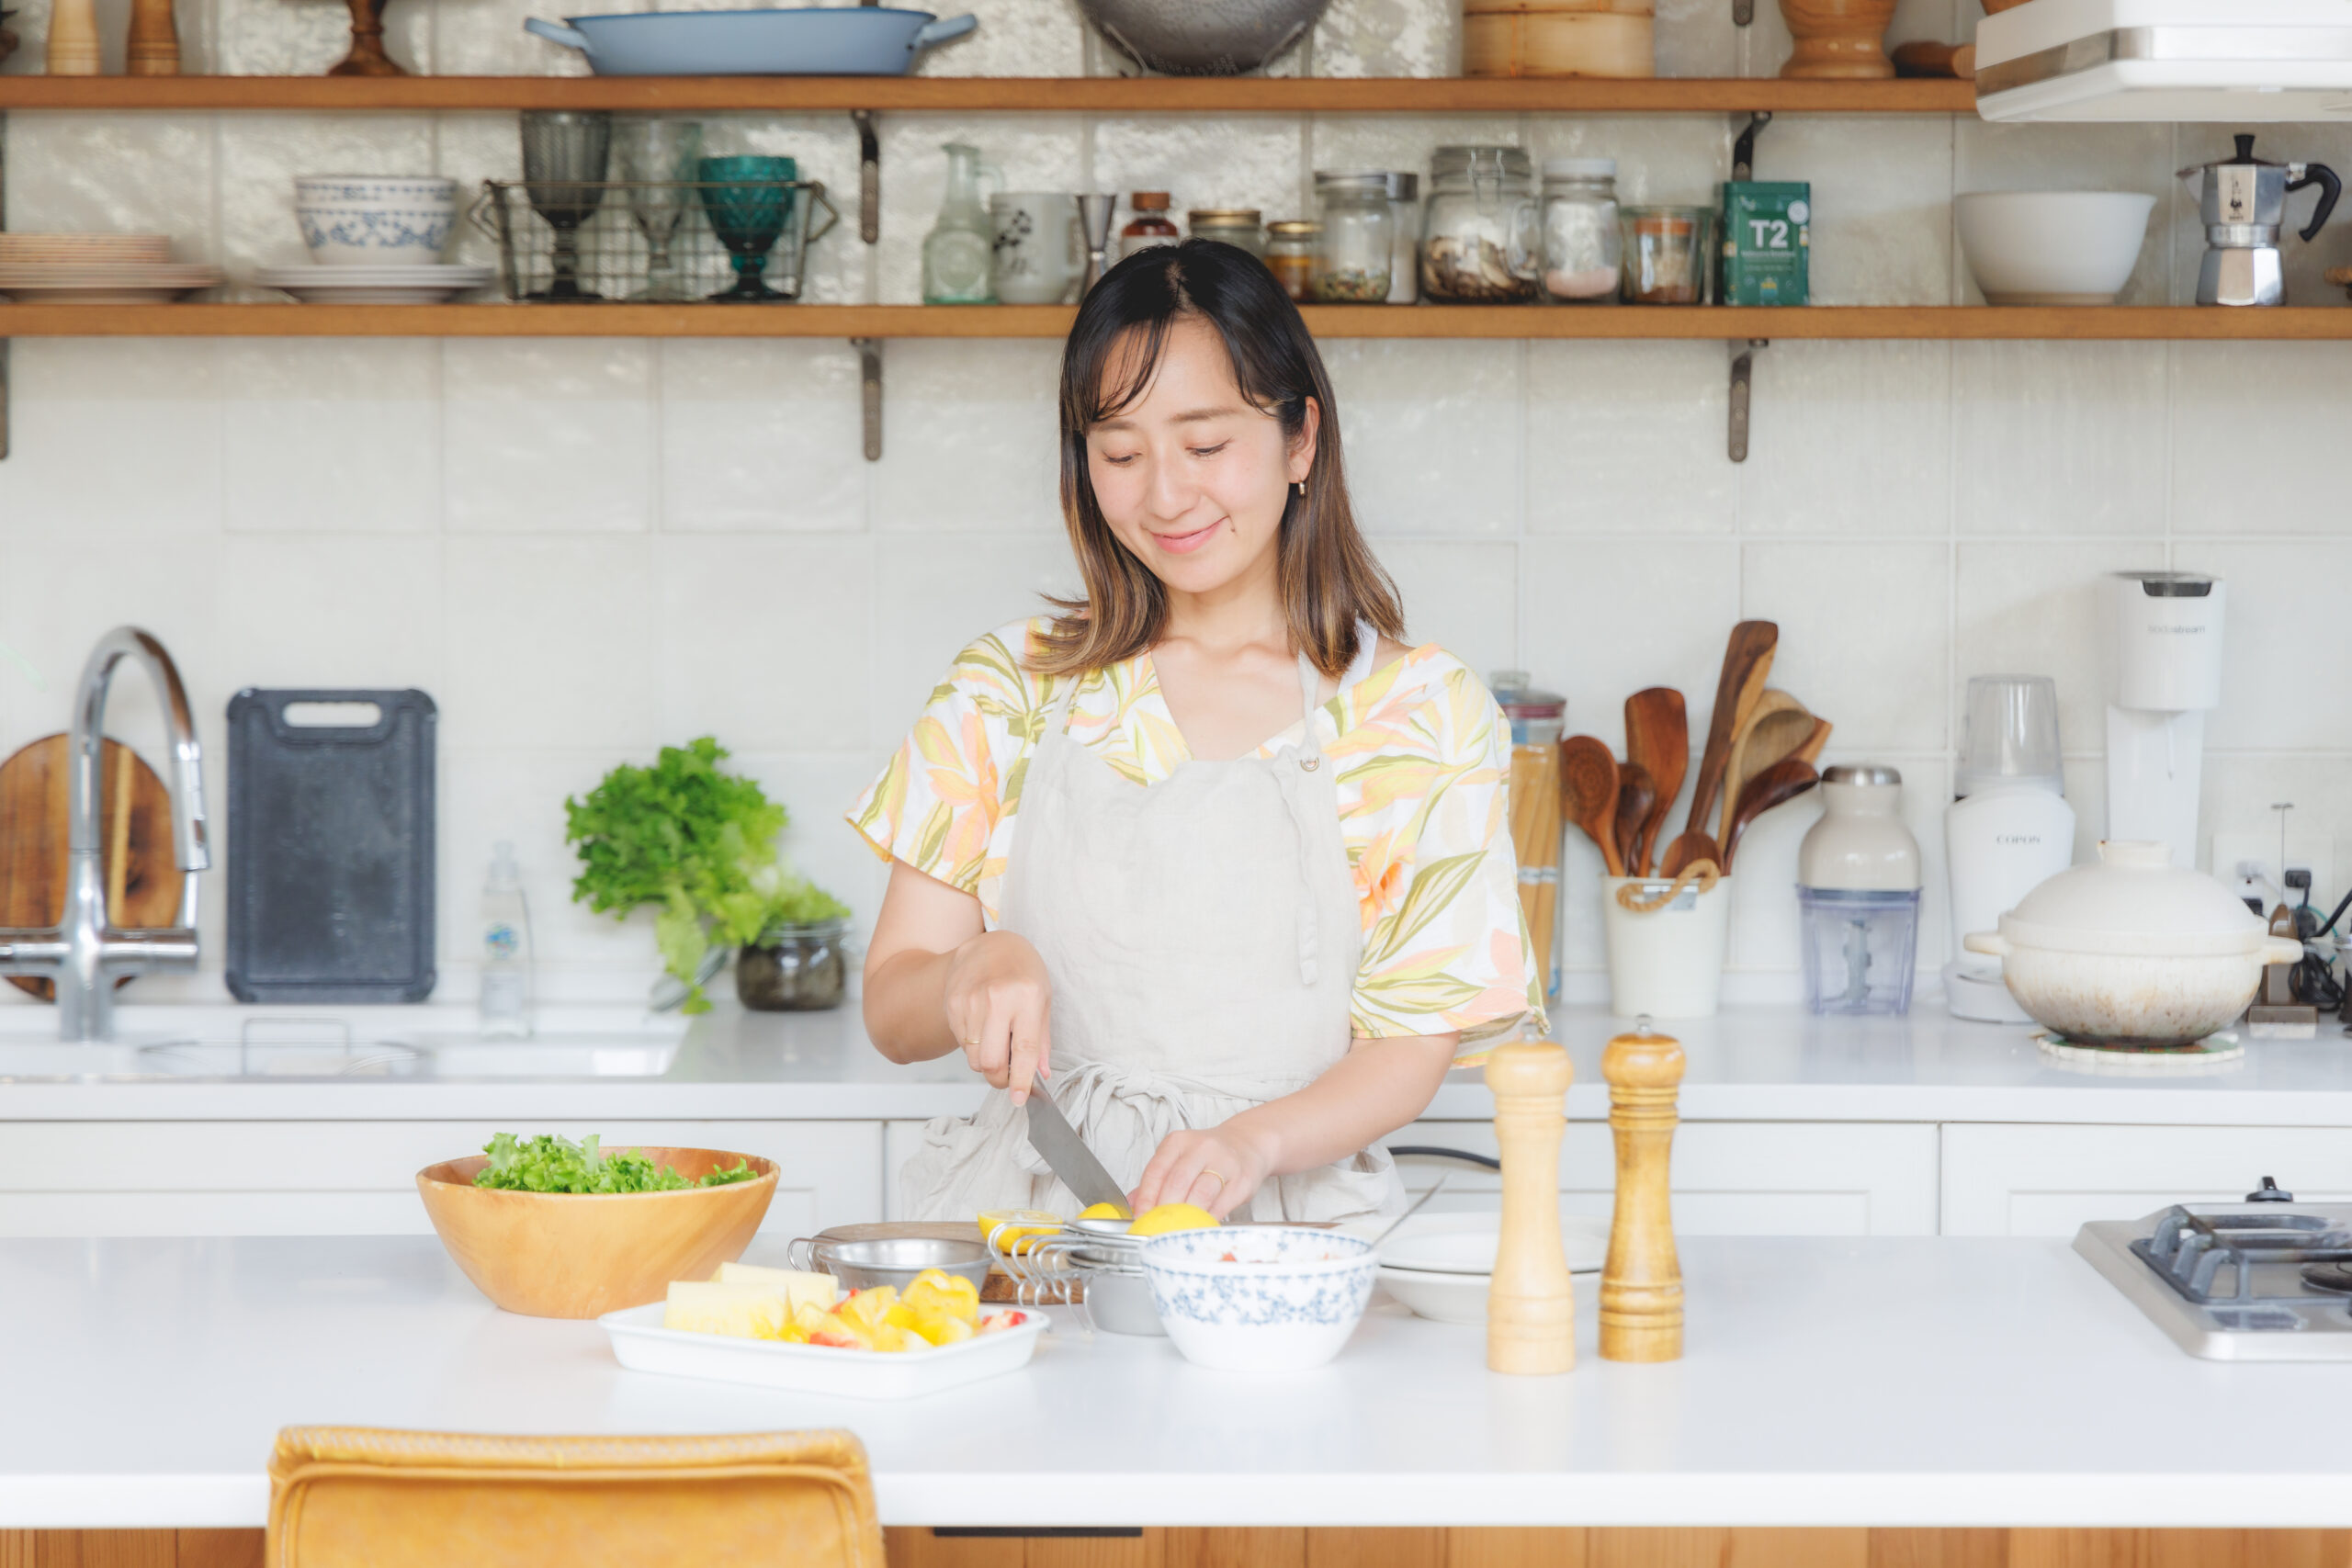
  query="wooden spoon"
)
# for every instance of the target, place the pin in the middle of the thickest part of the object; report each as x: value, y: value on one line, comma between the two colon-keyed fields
x: 1776, y: 785
x: 1748, y: 661
x: 1779, y: 720
x: 1657, y: 736
x: 1588, y: 794
x: 1689, y: 851
x: 1635, y: 795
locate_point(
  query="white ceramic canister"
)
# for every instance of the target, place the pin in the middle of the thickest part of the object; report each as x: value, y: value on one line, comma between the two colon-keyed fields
x: 1040, y: 252
x: 1860, y: 844
x: 1668, y: 962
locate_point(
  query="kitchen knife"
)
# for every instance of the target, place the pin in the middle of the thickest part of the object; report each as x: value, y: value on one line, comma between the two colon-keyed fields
x: 1053, y: 1136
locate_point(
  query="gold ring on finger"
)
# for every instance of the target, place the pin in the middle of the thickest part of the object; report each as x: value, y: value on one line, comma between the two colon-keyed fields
x: 1218, y: 1174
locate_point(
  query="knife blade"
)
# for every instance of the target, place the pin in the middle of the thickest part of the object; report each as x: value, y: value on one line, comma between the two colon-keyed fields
x: 1053, y: 1136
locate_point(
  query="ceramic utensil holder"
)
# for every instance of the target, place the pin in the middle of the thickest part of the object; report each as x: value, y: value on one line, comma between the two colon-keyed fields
x: 1640, y: 1283
x: 1666, y: 962
x: 1531, y: 1306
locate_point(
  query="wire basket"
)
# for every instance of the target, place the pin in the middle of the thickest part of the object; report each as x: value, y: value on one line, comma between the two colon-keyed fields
x: 732, y: 241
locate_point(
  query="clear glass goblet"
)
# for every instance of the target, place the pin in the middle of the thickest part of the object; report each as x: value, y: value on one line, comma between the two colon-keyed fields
x: 657, y: 159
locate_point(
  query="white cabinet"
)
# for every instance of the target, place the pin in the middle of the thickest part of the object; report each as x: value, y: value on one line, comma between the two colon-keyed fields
x: 1730, y: 1178
x: 359, y: 1178
x: 2030, y: 1180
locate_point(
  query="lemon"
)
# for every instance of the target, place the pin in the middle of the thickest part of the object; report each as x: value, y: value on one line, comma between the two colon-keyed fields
x: 1173, y: 1217
x: 1105, y: 1212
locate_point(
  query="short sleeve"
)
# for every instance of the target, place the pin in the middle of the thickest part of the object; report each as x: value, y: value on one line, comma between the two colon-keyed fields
x: 1446, y: 948
x: 938, y: 803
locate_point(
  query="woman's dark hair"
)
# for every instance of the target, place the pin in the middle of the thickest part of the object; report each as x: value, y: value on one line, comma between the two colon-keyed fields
x: 1329, y: 581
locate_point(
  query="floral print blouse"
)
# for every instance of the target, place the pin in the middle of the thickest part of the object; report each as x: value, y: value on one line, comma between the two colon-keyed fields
x: 1423, y: 753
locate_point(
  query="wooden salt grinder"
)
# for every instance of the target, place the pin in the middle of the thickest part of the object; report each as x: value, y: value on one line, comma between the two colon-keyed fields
x: 1641, y: 1284
x: 1531, y: 1307
x: 154, y: 48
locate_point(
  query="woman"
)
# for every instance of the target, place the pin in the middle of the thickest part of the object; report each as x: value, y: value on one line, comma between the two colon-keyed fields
x: 1235, y: 962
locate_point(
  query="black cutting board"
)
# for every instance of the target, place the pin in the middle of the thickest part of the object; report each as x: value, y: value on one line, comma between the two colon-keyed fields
x: 331, y: 848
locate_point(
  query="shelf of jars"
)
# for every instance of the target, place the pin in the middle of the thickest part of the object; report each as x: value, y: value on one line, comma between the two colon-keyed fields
x: 1688, y: 323
x: 1099, y: 95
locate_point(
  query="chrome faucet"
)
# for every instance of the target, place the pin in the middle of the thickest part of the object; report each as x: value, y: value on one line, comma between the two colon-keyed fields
x: 84, y: 955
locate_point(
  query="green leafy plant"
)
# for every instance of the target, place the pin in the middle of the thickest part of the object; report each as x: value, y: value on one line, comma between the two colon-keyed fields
x: 698, y: 842
x: 551, y: 1164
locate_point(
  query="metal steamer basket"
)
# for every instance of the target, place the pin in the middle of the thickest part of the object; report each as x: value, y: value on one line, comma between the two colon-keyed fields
x: 1094, y: 1265
x: 640, y: 242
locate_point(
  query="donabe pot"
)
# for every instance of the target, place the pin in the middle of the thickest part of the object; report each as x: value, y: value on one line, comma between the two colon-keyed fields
x: 2132, y: 951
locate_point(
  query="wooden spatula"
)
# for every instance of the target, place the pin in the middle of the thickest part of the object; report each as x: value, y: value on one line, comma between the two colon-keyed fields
x: 1776, y: 727
x: 1776, y: 785
x: 1635, y: 795
x: 1747, y: 662
x: 1657, y: 736
x: 1588, y: 794
x: 1688, y: 851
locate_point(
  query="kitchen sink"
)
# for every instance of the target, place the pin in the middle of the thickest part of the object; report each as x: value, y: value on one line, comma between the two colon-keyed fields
x: 180, y: 1042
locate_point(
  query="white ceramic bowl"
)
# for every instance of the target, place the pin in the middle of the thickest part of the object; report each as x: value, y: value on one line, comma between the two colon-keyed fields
x: 1260, y: 1298
x: 375, y: 220
x: 2053, y: 247
x: 1441, y: 1297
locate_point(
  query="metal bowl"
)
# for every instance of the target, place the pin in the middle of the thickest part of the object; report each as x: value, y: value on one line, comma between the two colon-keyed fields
x: 1201, y: 38
x: 862, y: 1265
x: 1119, y: 1300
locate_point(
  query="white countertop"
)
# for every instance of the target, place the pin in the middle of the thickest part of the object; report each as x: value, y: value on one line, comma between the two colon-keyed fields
x: 1769, y: 1063
x: 1931, y: 1381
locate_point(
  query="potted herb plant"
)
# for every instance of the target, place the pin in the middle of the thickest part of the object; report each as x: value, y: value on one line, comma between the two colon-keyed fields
x: 698, y: 842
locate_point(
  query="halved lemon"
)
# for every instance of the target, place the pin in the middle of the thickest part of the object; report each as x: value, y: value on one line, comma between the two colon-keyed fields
x: 1173, y: 1217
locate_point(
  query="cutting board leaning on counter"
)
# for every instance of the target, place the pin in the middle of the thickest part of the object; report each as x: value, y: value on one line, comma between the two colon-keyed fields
x: 1235, y: 962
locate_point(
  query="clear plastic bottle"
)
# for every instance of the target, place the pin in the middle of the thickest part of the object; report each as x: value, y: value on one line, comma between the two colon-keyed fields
x: 505, y: 950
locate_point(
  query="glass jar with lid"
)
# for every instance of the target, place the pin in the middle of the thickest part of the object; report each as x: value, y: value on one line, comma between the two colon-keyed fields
x: 1149, y: 226
x: 1482, y: 231
x: 1405, y: 212
x: 1234, y: 225
x: 1290, y: 255
x: 1359, y: 239
x: 1583, y: 247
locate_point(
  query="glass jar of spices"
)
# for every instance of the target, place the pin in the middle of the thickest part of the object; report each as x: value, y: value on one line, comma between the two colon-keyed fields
x: 1405, y: 215
x: 1582, y: 247
x: 1290, y: 255
x: 1667, y: 253
x: 1358, y: 242
x: 1150, y: 225
x: 1234, y: 225
x: 1482, y: 234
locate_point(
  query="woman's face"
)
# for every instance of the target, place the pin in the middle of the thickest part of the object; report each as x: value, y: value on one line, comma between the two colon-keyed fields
x: 1191, y: 478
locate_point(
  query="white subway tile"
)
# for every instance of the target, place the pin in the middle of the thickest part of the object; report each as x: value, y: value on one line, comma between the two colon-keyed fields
x: 1865, y: 635
x: 2025, y: 607
x: 1389, y: 37
x: 971, y: 438
x: 1882, y: 190
x: 1207, y: 161
x: 1661, y: 159
x: 263, y: 155
x: 59, y: 595
x: 485, y: 38
x: 1604, y: 618
x: 1629, y: 438
x: 935, y: 594
x: 1989, y: 156
x: 2282, y: 688
x: 765, y: 641
x: 2059, y: 438
x: 1696, y: 37
x: 551, y: 642
x: 547, y: 435
x: 1031, y: 152
x: 331, y: 434
x: 113, y: 174
x: 818, y: 788
x: 1849, y: 438
x: 2239, y: 791
x: 1434, y: 433
x: 2291, y: 392
x: 1461, y: 595
x: 112, y: 438
x: 761, y: 435
x: 1016, y: 38
x: 316, y: 611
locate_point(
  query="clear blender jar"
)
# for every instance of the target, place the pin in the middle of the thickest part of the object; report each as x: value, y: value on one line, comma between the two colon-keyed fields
x: 1857, y: 895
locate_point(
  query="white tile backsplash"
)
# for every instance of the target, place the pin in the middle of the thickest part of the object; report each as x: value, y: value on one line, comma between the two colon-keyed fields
x: 548, y: 435
x: 2059, y: 438
x: 1432, y: 434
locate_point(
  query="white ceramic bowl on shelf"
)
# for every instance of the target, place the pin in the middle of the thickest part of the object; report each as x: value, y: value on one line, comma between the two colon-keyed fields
x: 1260, y: 1298
x: 2053, y: 247
x: 375, y: 220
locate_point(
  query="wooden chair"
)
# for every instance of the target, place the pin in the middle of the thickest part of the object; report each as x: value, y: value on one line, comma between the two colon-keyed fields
x: 358, y: 1497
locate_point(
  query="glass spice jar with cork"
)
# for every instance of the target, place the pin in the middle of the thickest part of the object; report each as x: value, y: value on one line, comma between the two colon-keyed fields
x: 1290, y: 255
x: 1150, y: 227
x: 1233, y: 225
x: 1358, y: 243
x: 1666, y: 254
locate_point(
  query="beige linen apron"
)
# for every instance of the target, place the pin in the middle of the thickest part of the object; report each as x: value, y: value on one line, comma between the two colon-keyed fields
x: 1202, y: 935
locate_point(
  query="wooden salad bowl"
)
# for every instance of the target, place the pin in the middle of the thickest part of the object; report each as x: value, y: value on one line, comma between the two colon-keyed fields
x: 581, y: 1254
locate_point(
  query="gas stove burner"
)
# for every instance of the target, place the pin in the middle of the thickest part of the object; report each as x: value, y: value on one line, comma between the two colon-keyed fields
x: 2333, y: 1277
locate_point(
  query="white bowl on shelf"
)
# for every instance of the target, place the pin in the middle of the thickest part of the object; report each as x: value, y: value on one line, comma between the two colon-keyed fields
x: 2053, y: 247
x: 375, y: 220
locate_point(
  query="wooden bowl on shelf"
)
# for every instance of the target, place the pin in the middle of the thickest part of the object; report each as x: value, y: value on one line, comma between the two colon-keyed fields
x: 581, y: 1254
x: 1994, y: 8
x: 1839, y: 40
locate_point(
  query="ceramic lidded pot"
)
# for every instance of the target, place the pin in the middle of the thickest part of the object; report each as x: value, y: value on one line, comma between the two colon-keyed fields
x: 2133, y: 950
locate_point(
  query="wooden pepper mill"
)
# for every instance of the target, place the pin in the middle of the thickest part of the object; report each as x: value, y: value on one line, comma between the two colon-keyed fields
x: 1641, y: 1285
x: 73, y: 38
x: 1531, y: 1307
x: 154, y: 48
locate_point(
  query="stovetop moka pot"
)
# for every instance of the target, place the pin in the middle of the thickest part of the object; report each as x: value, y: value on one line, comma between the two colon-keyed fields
x: 2244, y: 206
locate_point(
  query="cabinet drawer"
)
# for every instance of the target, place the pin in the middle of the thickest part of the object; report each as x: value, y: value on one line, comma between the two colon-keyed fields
x: 1730, y: 1178
x: 2030, y: 1179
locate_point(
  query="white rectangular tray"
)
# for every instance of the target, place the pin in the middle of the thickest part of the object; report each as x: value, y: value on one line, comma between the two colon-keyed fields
x: 642, y: 1345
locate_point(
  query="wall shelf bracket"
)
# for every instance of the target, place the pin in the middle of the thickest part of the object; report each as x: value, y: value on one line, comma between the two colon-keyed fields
x: 1743, y: 13
x: 869, y: 176
x: 1743, y: 151
x: 869, y: 391
x: 1743, y: 392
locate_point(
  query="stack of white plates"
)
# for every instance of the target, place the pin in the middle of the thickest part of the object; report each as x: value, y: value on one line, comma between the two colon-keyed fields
x: 1440, y: 1266
x: 399, y: 284
x: 96, y: 269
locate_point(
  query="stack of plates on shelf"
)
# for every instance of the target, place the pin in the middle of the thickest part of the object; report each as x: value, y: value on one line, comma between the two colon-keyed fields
x: 401, y: 284
x: 98, y: 269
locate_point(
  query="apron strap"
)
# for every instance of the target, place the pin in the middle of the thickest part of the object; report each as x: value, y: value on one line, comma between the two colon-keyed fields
x: 1307, y: 759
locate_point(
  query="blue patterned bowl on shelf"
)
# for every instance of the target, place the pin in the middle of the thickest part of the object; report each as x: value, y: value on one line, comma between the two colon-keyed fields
x: 375, y: 220
x: 1260, y: 1298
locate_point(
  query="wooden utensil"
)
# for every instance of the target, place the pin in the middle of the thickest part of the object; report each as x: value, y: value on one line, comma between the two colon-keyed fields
x: 1531, y: 1306
x: 1641, y: 1284
x: 1748, y: 661
x: 1921, y: 59
x: 1658, y: 736
x: 141, y: 877
x: 1589, y: 793
x: 1536, y: 833
x: 1837, y: 40
x: 1776, y: 727
x: 1776, y: 785
x: 1689, y: 851
x: 1635, y: 795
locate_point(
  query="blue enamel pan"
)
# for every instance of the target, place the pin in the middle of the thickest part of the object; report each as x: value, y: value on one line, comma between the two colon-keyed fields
x: 855, y: 40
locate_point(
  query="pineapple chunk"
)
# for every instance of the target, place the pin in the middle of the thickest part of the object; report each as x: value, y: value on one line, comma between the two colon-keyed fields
x: 819, y: 1289
x: 708, y: 1306
x: 934, y: 1292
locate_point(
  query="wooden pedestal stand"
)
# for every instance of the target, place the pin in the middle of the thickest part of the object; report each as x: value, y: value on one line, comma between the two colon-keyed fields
x: 1641, y: 1285
x: 1531, y: 1308
x: 367, y: 57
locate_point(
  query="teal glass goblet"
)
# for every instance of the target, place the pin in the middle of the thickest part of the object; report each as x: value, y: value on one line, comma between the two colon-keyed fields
x: 749, y: 201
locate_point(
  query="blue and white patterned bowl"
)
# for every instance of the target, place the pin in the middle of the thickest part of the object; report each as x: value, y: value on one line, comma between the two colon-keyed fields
x: 1260, y: 1298
x: 375, y: 220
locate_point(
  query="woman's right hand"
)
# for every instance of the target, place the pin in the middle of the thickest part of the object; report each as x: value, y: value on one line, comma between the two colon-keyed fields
x: 999, y: 1000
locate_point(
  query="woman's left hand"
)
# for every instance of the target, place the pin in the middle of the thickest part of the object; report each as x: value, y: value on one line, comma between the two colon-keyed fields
x: 1217, y: 1170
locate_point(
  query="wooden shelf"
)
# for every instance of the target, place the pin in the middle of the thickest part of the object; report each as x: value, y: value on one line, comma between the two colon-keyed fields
x: 2150, y: 323
x: 1096, y: 95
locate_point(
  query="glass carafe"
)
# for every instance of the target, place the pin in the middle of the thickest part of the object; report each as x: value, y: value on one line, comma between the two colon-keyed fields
x: 956, y: 252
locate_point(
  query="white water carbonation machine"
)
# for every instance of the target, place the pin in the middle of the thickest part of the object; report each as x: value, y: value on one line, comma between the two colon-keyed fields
x: 2164, y: 640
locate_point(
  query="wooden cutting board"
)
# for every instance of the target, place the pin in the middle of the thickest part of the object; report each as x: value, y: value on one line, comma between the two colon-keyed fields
x: 134, y: 843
